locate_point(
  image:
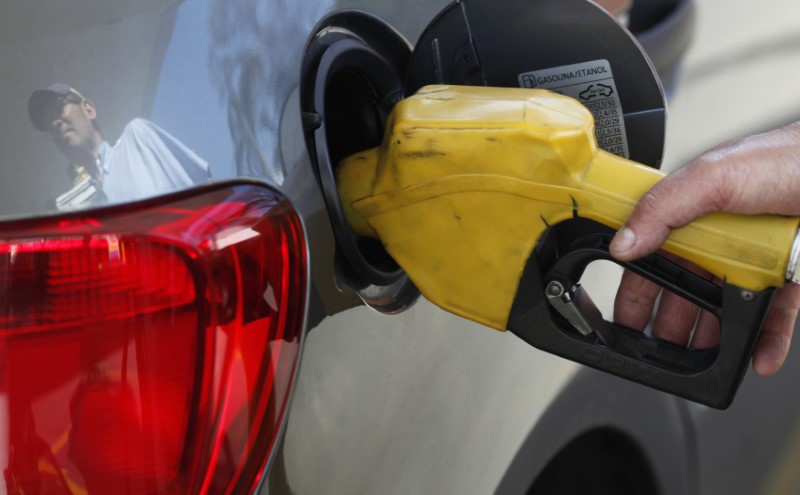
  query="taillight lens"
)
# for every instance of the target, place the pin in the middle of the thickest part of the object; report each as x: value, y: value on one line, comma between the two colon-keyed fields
x: 149, y: 348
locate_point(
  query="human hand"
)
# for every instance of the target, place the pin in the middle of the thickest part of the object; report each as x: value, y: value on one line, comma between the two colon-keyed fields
x: 757, y: 174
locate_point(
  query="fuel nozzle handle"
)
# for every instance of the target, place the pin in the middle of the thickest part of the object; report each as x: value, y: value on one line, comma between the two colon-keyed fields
x: 467, y: 179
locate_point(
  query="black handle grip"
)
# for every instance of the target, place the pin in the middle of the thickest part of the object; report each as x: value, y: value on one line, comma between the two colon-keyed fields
x: 709, y: 376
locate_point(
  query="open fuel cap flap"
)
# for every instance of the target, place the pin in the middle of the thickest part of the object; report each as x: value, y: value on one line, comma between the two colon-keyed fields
x: 571, y: 47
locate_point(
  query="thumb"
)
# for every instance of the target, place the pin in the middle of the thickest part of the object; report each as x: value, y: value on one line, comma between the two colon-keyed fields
x: 673, y: 203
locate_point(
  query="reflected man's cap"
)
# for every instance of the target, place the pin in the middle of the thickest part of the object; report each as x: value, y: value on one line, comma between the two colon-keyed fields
x: 42, y: 101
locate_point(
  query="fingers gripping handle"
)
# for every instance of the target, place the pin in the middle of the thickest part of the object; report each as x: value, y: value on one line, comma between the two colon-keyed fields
x: 749, y: 251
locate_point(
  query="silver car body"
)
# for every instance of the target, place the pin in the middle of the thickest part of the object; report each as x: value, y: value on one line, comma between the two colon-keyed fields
x: 416, y: 401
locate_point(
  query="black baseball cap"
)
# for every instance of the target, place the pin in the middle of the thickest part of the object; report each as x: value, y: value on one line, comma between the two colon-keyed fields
x: 41, y: 102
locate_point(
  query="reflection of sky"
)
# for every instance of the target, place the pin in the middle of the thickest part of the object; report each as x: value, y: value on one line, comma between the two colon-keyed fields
x: 186, y: 104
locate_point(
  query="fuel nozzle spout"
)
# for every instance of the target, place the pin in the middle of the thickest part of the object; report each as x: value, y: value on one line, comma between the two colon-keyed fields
x: 468, y: 179
x: 355, y: 177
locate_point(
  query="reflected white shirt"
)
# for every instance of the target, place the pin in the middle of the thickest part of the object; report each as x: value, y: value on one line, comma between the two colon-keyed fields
x: 147, y: 161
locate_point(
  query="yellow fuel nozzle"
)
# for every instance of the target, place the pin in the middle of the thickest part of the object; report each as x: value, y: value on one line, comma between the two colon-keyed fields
x: 467, y: 179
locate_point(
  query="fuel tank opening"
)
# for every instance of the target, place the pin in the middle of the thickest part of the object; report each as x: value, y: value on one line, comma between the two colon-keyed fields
x: 354, y: 121
x: 352, y: 78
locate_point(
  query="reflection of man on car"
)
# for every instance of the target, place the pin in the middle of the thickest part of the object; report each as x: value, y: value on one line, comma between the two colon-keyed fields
x: 144, y: 162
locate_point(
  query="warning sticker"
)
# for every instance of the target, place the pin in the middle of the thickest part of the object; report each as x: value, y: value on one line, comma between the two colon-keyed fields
x: 592, y: 84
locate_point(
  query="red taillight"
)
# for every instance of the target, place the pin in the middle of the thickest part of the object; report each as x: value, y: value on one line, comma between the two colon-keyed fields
x: 149, y: 349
